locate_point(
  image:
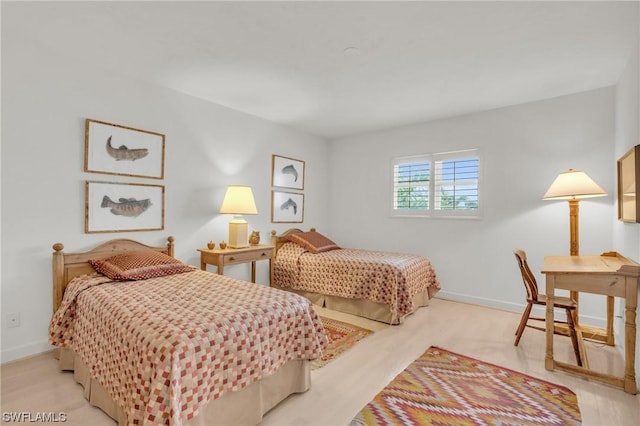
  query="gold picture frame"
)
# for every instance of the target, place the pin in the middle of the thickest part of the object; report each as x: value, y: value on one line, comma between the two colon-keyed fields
x: 123, y: 207
x: 287, y: 207
x: 287, y: 172
x: 628, y: 183
x: 114, y: 149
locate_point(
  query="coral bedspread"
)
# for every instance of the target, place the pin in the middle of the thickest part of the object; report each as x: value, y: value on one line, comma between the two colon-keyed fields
x: 164, y: 347
x: 383, y: 277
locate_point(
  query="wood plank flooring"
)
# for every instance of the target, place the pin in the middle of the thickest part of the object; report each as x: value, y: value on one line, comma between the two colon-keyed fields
x: 342, y: 387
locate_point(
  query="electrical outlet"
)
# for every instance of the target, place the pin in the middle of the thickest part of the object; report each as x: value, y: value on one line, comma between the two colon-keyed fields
x: 13, y: 320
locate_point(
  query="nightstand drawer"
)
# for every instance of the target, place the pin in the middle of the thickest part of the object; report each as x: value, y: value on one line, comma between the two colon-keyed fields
x: 242, y: 257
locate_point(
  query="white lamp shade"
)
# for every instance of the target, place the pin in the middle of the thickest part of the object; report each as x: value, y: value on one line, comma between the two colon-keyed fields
x: 238, y: 200
x: 573, y: 184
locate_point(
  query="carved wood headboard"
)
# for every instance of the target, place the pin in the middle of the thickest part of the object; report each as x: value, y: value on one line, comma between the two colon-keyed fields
x: 67, y: 266
x: 278, y: 240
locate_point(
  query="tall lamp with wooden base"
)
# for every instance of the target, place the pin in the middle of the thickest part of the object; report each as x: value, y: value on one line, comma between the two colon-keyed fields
x: 573, y: 185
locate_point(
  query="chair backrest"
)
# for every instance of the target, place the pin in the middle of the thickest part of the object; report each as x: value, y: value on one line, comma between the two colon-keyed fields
x: 527, y: 276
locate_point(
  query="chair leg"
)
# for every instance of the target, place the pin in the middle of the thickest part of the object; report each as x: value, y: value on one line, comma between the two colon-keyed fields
x: 523, y: 323
x: 574, y: 336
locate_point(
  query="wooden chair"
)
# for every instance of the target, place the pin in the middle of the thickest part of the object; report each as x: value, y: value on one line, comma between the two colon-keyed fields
x: 535, y: 298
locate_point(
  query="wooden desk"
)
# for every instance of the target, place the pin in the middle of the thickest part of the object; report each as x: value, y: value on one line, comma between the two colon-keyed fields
x: 223, y: 257
x: 611, y: 275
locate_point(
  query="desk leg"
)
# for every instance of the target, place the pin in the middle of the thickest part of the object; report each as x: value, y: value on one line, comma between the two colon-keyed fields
x: 253, y: 271
x: 549, y: 320
x: 610, y: 338
x: 631, y: 304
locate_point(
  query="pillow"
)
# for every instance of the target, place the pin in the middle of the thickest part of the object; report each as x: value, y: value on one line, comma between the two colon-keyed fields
x: 139, y: 265
x: 313, y: 241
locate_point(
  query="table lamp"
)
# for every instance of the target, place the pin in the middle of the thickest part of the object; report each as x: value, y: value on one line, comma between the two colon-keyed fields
x: 573, y: 185
x: 238, y: 201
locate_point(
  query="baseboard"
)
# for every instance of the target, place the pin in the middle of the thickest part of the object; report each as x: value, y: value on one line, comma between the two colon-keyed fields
x: 25, y: 351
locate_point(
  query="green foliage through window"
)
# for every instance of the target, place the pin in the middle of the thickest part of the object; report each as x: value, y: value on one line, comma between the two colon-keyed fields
x: 428, y: 184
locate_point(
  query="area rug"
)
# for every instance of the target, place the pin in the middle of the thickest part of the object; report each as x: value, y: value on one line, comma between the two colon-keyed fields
x: 342, y: 336
x: 445, y: 388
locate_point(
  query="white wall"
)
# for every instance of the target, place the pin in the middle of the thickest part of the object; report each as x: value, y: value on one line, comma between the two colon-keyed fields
x: 45, y: 100
x: 523, y: 148
x: 627, y: 130
x: 626, y: 236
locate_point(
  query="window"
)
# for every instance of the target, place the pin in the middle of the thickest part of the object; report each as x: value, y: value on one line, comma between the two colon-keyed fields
x: 444, y: 184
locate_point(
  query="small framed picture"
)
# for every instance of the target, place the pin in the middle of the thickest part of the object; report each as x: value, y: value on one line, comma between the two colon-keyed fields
x: 119, y: 150
x: 628, y: 182
x: 287, y: 207
x: 120, y: 207
x: 287, y: 172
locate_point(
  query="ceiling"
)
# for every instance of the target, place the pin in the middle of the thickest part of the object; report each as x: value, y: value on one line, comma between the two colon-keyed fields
x: 335, y: 69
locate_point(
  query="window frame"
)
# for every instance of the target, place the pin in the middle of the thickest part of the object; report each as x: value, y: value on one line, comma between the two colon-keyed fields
x: 432, y: 159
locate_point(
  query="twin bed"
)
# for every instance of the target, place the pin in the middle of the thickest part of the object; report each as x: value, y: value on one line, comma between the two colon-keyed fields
x: 154, y: 341
x: 377, y: 285
x: 161, y: 342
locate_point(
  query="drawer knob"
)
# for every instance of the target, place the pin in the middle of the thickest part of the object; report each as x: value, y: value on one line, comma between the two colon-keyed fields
x: 232, y: 258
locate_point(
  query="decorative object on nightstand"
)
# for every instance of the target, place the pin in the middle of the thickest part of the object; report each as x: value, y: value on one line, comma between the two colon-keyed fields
x: 211, y: 245
x: 223, y: 245
x: 238, y: 201
x: 254, y: 238
x: 573, y: 185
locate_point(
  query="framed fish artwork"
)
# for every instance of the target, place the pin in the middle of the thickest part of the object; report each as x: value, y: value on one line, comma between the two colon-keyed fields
x: 287, y: 172
x: 122, y: 207
x: 287, y: 207
x: 119, y: 150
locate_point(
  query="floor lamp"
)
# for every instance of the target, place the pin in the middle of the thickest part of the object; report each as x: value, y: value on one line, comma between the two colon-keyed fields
x: 238, y: 200
x: 572, y: 186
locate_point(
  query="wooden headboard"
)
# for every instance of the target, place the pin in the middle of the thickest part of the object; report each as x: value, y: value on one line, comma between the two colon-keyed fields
x: 67, y: 266
x: 278, y: 240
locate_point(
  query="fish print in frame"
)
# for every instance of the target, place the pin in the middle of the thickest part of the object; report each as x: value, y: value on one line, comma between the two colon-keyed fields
x: 287, y: 207
x: 120, y: 150
x: 123, y: 207
x: 287, y: 172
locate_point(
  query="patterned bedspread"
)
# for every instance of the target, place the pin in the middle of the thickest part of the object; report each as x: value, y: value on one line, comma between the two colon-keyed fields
x: 383, y: 277
x: 164, y: 347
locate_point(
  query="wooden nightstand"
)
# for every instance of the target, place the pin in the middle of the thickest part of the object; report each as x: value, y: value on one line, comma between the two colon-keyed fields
x: 223, y: 257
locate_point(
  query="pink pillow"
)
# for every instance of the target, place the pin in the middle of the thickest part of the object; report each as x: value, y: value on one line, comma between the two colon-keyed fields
x: 313, y: 241
x: 139, y: 265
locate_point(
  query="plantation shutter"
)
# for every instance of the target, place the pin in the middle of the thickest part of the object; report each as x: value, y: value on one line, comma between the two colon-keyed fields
x: 411, y: 184
x: 456, y: 184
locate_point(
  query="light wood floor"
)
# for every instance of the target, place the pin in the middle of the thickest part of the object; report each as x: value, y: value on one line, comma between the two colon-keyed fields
x: 342, y: 387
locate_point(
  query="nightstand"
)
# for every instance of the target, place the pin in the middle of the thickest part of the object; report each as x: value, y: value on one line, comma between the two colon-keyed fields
x: 223, y: 257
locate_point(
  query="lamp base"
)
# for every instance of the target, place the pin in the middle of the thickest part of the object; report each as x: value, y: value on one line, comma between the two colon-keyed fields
x: 238, y: 233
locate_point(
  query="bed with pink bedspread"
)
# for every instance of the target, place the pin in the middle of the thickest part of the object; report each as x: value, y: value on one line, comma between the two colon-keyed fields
x: 177, y: 349
x: 378, y: 285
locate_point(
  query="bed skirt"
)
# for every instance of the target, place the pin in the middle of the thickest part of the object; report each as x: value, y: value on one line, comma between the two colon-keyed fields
x: 363, y: 307
x: 244, y: 407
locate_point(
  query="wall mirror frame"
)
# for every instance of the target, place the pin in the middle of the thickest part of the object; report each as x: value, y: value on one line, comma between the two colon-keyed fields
x: 628, y: 182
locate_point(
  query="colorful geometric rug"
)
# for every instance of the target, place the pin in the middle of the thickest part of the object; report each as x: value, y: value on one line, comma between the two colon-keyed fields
x: 342, y: 336
x: 444, y: 388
